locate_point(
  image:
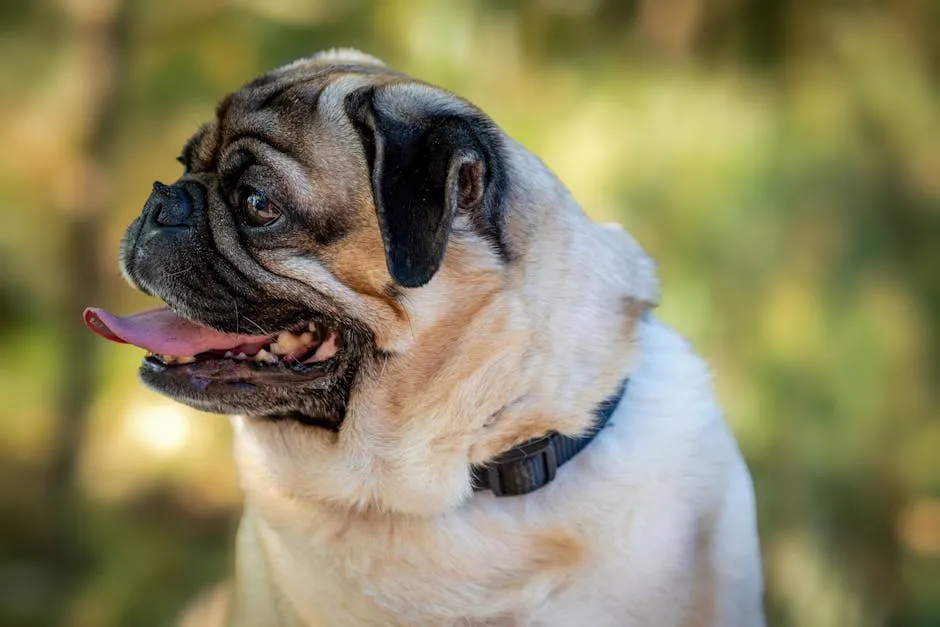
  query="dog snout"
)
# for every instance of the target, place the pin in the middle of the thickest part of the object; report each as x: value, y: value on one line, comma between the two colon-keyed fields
x: 169, y: 206
x: 173, y: 206
x: 173, y: 221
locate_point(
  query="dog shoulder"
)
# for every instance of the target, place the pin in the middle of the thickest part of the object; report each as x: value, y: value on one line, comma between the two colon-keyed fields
x: 706, y: 471
x: 675, y: 495
x: 671, y: 398
x: 680, y: 419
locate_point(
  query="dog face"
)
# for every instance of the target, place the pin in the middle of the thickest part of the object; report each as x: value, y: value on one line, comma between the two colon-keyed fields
x: 316, y: 195
x: 353, y: 249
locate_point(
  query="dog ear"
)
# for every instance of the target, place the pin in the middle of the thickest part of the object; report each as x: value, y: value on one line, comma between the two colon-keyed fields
x: 425, y: 167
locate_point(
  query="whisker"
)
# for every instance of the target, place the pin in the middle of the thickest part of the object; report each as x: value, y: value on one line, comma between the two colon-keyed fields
x: 179, y: 272
x: 259, y: 327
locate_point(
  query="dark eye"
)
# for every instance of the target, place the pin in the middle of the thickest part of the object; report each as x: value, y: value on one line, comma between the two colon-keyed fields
x: 257, y: 210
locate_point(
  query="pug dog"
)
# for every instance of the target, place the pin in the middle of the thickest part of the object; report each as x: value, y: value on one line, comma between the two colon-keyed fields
x: 451, y: 402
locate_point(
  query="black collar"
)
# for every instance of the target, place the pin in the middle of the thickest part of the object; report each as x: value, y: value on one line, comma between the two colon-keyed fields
x: 532, y: 464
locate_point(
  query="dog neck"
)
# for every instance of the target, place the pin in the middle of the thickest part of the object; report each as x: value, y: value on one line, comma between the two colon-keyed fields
x: 584, y: 288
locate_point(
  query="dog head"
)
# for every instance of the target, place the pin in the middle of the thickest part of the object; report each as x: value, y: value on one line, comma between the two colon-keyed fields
x: 383, y: 285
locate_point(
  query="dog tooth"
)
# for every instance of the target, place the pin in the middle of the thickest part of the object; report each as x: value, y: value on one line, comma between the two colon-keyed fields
x: 277, y: 349
x: 264, y: 356
x: 185, y: 360
x: 229, y: 354
x: 241, y: 356
x: 312, y: 327
x: 288, y: 341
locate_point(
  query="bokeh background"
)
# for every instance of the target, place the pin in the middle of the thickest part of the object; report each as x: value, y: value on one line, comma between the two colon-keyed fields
x: 780, y: 159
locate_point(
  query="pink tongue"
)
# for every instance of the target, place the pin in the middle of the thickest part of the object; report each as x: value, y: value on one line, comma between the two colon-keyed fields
x: 162, y: 331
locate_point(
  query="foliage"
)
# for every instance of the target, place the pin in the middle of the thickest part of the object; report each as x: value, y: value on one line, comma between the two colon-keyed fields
x: 780, y: 160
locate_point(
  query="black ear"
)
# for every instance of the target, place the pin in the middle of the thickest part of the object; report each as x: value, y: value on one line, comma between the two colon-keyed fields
x: 426, y: 168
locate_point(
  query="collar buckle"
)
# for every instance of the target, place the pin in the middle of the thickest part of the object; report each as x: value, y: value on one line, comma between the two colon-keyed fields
x: 524, y: 468
x: 528, y: 466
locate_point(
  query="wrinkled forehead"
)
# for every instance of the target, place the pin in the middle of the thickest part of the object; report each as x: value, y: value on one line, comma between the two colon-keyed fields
x: 277, y: 107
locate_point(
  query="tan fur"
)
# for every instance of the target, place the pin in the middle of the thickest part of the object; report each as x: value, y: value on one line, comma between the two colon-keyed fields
x: 376, y: 524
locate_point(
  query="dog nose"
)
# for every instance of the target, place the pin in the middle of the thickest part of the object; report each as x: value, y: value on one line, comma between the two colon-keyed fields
x: 171, y: 205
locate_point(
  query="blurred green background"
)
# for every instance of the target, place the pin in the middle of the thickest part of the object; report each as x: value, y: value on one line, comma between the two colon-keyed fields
x: 780, y: 159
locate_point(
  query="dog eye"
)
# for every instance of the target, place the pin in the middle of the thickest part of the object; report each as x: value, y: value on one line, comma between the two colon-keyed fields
x: 257, y: 210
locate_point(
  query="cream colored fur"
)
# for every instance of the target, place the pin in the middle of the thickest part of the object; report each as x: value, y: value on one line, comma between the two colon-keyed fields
x: 660, y: 508
x: 652, y: 524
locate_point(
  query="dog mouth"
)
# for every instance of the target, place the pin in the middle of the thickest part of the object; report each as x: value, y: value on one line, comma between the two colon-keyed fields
x: 304, y: 370
x: 173, y: 341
